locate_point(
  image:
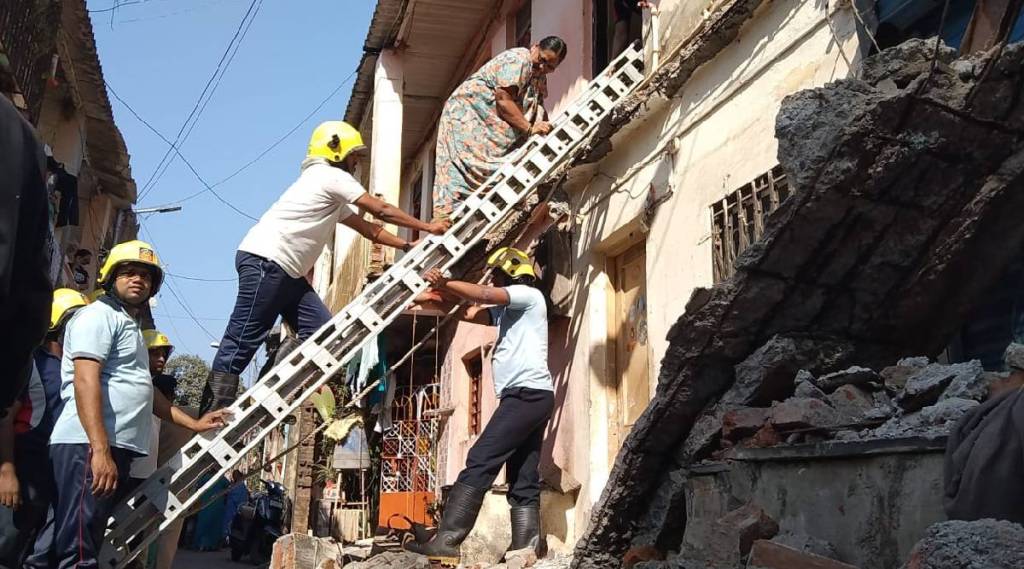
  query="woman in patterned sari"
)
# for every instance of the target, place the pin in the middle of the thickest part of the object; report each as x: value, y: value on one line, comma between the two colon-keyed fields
x: 490, y: 114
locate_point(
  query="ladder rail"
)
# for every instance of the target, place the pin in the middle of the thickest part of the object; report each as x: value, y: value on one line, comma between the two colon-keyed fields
x: 168, y: 494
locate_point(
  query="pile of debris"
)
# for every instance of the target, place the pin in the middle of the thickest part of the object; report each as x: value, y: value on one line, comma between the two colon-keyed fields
x: 914, y: 398
x: 906, y: 179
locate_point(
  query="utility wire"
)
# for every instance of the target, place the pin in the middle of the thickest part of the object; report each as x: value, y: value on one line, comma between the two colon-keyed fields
x: 175, y: 149
x: 183, y: 277
x: 275, y: 144
x: 168, y: 157
x: 170, y: 287
x: 216, y: 84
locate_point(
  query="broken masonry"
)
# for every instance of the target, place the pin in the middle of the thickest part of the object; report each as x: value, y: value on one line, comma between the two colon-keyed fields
x: 906, y: 180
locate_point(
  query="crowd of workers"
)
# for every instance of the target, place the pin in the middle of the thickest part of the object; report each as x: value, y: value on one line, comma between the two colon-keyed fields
x: 82, y: 417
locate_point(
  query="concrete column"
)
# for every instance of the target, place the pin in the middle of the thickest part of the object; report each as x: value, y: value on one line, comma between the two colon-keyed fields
x: 386, y: 143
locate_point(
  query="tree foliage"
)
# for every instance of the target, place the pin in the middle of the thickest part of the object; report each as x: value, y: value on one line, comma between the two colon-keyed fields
x: 190, y: 371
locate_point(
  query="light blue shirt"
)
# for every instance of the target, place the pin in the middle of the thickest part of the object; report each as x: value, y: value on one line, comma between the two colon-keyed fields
x: 109, y: 335
x: 521, y: 353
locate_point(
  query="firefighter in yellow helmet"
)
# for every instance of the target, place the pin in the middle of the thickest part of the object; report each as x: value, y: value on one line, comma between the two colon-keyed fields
x: 159, y: 347
x: 523, y: 384
x: 27, y: 486
x: 109, y: 402
x: 277, y: 253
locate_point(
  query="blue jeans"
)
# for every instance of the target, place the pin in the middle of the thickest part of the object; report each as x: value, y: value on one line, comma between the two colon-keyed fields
x: 265, y: 291
x: 79, y: 517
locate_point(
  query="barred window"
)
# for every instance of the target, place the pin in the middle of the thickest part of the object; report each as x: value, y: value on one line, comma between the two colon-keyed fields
x: 739, y: 219
x: 475, y: 366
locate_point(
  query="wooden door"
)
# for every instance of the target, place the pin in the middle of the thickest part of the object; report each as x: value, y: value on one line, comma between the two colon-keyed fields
x: 632, y: 354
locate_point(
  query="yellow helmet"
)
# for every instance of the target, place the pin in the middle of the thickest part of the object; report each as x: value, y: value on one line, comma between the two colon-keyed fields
x: 95, y: 294
x: 334, y: 140
x: 512, y: 262
x: 65, y: 302
x: 131, y: 252
x: 157, y: 339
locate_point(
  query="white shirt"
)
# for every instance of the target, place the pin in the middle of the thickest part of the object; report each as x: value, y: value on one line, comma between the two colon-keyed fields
x: 293, y: 232
x: 521, y: 353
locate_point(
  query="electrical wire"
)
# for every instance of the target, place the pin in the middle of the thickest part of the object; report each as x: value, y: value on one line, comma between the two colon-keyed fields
x: 267, y: 150
x: 168, y: 157
x: 175, y: 149
x: 204, y: 280
x: 170, y: 287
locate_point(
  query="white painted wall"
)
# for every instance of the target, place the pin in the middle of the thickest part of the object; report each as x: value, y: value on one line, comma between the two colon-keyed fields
x: 722, y: 124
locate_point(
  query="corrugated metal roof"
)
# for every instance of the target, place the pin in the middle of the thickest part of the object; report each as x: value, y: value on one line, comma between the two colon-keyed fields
x: 436, y: 37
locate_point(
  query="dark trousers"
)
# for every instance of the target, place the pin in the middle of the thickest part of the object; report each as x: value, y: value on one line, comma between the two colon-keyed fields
x: 512, y: 438
x: 20, y: 530
x: 265, y: 291
x: 80, y: 517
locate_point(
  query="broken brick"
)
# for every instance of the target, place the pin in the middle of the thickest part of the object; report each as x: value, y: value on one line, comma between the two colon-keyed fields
x: 735, y: 533
x: 765, y: 437
x: 852, y: 402
x: 744, y: 422
x: 772, y: 555
x: 803, y: 413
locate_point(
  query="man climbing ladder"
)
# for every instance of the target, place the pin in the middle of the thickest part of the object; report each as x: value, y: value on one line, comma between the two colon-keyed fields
x: 277, y: 253
x: 515, y: 432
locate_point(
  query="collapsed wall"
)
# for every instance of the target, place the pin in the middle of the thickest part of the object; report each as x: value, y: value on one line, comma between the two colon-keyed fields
x: 908, y: 186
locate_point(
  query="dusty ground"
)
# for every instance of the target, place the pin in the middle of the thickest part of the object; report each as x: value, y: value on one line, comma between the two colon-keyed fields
x: 186, y: 559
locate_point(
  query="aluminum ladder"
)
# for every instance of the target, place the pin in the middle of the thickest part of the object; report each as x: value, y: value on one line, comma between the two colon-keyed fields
x: 169, y: 493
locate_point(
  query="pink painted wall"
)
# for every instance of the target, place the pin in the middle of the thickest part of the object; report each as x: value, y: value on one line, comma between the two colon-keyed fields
x: 569, y: 20
x: 468, y: 338
x: 565, y: 447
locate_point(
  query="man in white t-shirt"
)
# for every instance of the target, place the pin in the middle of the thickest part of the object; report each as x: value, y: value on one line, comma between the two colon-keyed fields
x: 514, y: 434
x: 277, y: 253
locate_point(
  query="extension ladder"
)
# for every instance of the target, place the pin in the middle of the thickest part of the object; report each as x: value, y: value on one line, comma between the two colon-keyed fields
x: 169, y: 493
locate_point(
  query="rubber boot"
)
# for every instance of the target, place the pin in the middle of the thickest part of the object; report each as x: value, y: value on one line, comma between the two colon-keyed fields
x: 526, y: 530
x: 220, y: 391
x: 457, y: 521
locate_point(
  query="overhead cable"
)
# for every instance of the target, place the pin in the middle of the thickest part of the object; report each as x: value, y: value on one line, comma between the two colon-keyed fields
x: 208, y: 90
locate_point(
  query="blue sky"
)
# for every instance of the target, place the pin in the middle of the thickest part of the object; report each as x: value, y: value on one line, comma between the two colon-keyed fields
x: 158, y: 55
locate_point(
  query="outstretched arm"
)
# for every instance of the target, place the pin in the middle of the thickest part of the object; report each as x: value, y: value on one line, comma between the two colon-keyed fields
x: 163, y: 408
x: 395, y: 216
x: 472, y: 292
x: 376, y: 233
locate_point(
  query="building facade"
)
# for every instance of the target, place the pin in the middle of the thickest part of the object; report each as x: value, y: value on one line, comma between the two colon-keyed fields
x: 51, y: 71
x: 685, y: 183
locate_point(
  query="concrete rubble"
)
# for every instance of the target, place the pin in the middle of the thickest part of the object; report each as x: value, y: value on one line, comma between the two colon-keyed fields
x: 987, y: 544
x: 859, y: 410
x: 904, y: 178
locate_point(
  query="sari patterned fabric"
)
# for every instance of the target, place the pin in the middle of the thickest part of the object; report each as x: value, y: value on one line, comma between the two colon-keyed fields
x: 472, y: 140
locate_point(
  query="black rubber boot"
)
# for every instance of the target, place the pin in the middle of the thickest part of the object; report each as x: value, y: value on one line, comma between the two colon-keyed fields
x: 457, y: 521
x: 526, y: 530
x: 220, y: 391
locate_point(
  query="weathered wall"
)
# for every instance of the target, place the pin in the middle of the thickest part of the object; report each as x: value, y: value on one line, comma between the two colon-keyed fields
x: 905, y: 179
x: 837, y: 500
x: 722, y: 125
x: 569, y: 20
x: 469, y: 338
